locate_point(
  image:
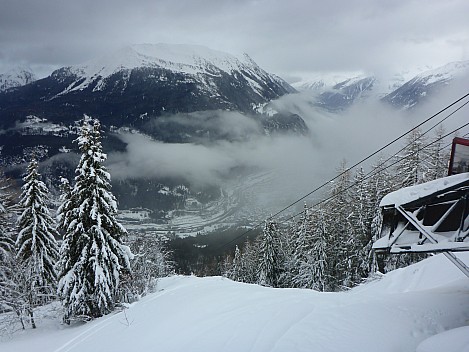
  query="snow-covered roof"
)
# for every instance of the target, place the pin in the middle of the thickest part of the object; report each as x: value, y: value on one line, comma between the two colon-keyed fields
x: 409, y: 194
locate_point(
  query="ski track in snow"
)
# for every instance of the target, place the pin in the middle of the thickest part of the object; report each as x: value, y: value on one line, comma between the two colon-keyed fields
x: 74, y: 342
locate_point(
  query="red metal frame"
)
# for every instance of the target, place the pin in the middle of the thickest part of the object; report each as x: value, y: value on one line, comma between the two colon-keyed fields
x: 456, y: 141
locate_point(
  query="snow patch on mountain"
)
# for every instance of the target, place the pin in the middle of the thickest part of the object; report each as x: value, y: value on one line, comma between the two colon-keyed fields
x: 16, y: 77
x: 426, y: 83
x: 323, y: 81
x: 444, y: 73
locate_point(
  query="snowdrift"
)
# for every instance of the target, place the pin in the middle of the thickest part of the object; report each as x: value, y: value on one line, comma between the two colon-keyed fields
x: 397, y: 313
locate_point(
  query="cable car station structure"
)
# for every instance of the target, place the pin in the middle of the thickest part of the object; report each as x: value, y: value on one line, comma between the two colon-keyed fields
x: 431, y: 217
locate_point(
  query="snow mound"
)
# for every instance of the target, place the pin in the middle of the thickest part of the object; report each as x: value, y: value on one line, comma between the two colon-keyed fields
x: 455, y: 340
x: 433, y: 273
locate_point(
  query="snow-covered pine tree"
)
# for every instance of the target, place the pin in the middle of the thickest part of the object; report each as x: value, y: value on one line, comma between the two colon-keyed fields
x: 249, y: 262
x: 413, y: 165
x: 287, y: 257
x: 301, y: 242
x: 340, y: 234
x: 379, y: 184
x: 438, y: 155
x: 413, y: 168
x: 361, y: 218
x: 64, y: 212
x: 37, y: 249
x: 9, y: 295
x: 93, y: 255
x: 314, y: 269
x: 269, y: 255
x: 6, y: 224
x: 236, y: 267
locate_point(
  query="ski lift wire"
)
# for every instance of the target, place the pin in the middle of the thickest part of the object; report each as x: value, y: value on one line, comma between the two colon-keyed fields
x: 355, y: 165
x: 373, y: 172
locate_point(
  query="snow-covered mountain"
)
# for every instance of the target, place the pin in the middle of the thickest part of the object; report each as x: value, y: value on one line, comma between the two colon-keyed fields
x: 139, y: 82
x: 323, y: 81
x: 403, y: 90
x: 199, y: 64
x: 345, y: 93
x: 426, y: 84
x: 337, y: 91
x: 16, y: 77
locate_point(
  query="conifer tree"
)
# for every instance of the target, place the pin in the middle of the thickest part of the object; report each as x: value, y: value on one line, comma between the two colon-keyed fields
x: 64, y: 211
x: 313, y: 271
x: 93, y: 255
x: 339, y: 228
x: 37, y: 250
x: 301, y: 242
x: 269, y: 255
x: 249, y: 260
x: 236, y: 268
x: 6, y: 203
x: 379, y: 184
x: 363, y: 211
x: 438, y: 155
x: 413, y: 166
x: 8, y: 288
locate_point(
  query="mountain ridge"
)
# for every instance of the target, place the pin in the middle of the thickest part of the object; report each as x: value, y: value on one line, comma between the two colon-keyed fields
x: 134, y: 82
x: 337, y: 92
x: 16, y: 77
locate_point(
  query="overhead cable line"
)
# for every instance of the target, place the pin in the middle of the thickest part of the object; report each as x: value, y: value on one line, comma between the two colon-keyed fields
x: 356, y: 164
x: 371, y: 155
x: 376, y: 171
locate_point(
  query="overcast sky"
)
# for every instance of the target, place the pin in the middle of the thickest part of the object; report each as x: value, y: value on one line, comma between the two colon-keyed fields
x: 288, y: 37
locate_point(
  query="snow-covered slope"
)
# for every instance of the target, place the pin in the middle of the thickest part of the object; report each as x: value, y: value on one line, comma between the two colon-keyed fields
x: 397, y: 313
x: 426, y: 83
x: 345, y: 93
x: 404, y: 89
x: 189, y: 60
x: 321, y: 81
x: 140, y: 82
x: 16, y: 77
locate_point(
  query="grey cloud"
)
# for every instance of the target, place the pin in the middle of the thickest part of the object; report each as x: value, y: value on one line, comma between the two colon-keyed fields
x: 218, y: 124
x: 296, y: 164
x: 291, y: 37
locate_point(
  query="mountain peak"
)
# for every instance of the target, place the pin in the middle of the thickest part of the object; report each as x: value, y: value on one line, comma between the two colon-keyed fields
x: 189, y: 60
x: 426, y: 83
x: 182, y: 58
x: 17, y: 76
x: 445, y: 73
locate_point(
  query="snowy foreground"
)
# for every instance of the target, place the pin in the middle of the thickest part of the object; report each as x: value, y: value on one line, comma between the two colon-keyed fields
x: 423, y: 308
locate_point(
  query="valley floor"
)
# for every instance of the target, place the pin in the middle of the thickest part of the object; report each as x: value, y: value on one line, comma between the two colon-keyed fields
x: 396, y: 313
